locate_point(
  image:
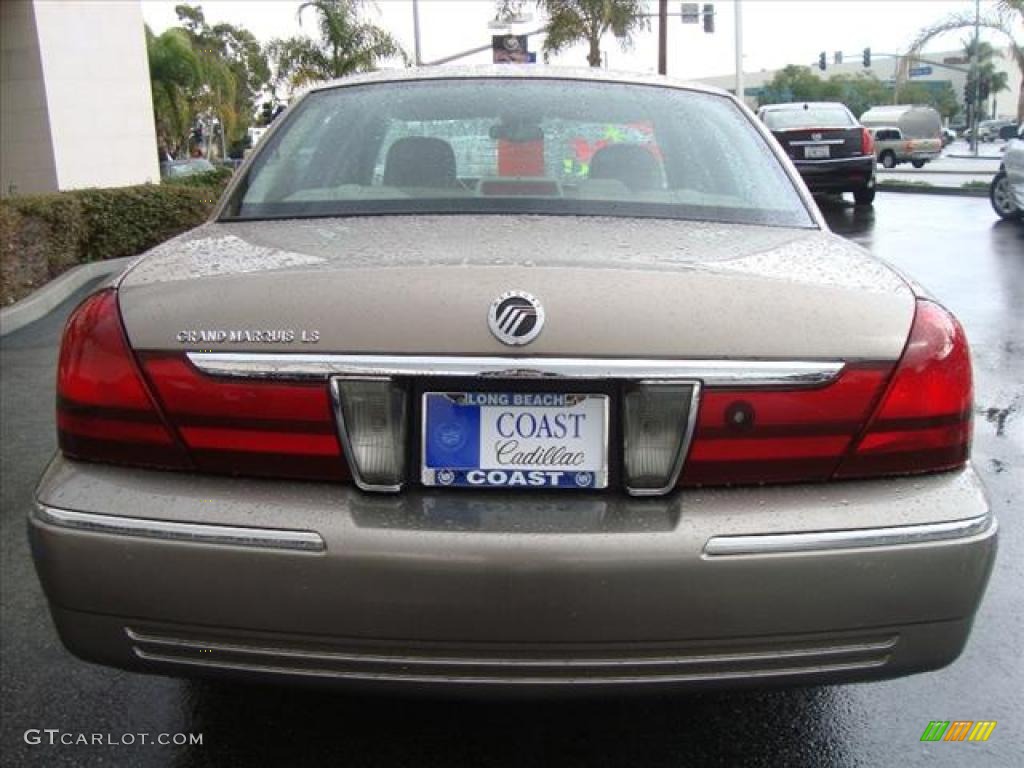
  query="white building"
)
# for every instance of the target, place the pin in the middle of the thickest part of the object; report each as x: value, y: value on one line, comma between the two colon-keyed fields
x: 1004, y: 104
x: 75, y: 103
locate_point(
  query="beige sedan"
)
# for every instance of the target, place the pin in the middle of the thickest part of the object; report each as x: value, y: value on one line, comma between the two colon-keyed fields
x: 514, y: 378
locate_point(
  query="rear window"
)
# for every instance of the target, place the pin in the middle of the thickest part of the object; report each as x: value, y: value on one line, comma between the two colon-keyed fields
x: 811, y: 117
x: 522, y: 146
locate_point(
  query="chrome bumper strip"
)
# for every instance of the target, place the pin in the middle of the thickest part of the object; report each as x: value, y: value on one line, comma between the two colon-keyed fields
x: 712, y: 373
x: 195, y: 533
x: 785, y: 543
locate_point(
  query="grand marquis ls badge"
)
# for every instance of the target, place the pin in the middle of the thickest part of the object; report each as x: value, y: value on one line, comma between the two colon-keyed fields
x: 516, y: 318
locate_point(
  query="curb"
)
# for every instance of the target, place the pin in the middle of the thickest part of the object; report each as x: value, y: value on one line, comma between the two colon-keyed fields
x: 919, y: 190
x: 997, y: 158
x: 43, y: 300
x: 940, y: 171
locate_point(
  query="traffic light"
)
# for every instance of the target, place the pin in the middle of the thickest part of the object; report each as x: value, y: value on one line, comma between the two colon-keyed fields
x: 985, y: 88
x: 867, y: 58
x: 709, y: 18
x: 821, y: 61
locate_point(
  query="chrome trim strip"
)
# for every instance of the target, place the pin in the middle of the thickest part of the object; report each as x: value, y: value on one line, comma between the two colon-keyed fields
x: 519, y: 679
x: 815, y: 142
x: 194, y: 533
x: 785, y: 543
x: 684, y: 444
x: 711, y: 373
x: 872, y: 646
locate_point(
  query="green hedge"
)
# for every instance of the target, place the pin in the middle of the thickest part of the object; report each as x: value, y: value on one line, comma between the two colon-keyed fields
x: 42, y: 236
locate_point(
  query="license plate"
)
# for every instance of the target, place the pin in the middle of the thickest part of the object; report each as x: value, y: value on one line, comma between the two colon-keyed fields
x: 515, y: 440
x: 816, y: 153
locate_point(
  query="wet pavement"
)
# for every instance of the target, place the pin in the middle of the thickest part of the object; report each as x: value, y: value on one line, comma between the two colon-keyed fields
x: 953, y: 246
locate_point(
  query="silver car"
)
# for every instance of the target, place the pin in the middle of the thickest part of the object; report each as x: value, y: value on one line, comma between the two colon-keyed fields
x: 514, y: 378
x: 1006, y: 191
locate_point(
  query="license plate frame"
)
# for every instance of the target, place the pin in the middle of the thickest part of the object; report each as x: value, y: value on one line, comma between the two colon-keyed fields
x: 447, y: 456
x: 822, y: 152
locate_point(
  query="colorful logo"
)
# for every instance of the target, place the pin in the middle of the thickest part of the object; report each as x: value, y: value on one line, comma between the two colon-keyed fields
x: 958, y: 730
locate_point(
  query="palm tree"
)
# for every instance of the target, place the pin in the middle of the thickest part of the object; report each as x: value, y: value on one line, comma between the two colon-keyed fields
x: 991, y: 81
x: 234, y: 69
x: 587, y: 21
x: 347, y: 45
x: 175, y: 72
x: 1006, y: 21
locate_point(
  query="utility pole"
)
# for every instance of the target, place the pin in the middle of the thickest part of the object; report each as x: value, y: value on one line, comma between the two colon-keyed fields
x: 896, y: 81
x: 662, y: 37
x: 976, y: 72
x: 739, y: 51
x: 417, y: 57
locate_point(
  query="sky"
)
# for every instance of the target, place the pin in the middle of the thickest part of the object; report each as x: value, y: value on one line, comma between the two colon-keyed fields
x: 775, y: 32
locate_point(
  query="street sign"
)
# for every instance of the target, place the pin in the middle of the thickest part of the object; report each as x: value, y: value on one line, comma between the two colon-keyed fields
x: 691, y: 13
x: 920, y: 71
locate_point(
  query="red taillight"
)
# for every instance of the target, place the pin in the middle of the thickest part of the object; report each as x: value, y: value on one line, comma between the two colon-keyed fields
x: 104, y: 410
x: 924, y: 421
x: 756, y: 436
x: 867, y: 142
x: 251, y: 427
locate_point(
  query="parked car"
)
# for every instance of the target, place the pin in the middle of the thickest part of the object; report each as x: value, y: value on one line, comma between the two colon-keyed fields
x: 905, y: 134
x: 830, y: 149
x: 1007, y: 189
x: 177, y: 169
x: 893, y: 148
x: 595, y: 401
x: 990, y: 130
x: 1008, y: 132
x: 948, y: 137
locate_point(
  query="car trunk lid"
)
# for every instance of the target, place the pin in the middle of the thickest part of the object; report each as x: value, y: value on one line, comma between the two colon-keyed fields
x: 821, y: 143
x: 609, y: 288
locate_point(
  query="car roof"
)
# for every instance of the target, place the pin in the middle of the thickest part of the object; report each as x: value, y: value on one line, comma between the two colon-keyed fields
x: 516, y: 72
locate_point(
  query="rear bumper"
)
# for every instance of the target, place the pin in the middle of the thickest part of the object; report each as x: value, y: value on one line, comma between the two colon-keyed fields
x: 479, y: 590
x: 838, y: 175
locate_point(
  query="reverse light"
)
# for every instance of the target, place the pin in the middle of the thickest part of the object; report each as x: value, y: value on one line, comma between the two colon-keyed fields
x: 372, y: 422
x: 923, y: 423
x: 105, y: 411
x: 658, y: 421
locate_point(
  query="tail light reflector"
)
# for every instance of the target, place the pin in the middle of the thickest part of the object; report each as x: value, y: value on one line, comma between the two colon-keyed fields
x: 769, y: 436
x: 249, y: 427
x: 105, y: 412
x: 924, y: 421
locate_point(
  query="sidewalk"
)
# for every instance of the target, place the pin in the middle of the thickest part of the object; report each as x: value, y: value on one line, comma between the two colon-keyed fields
x: 987, y: 150
x: 951, y: 171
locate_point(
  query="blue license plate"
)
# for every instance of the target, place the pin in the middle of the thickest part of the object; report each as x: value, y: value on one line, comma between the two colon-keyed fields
x: 515, y: 440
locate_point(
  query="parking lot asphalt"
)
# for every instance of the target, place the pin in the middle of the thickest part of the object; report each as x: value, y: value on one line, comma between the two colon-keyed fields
x: 953, y: 246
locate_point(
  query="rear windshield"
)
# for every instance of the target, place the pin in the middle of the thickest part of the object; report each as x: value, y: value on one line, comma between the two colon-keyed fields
x: 522, y: 146
x: 811, y: 117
